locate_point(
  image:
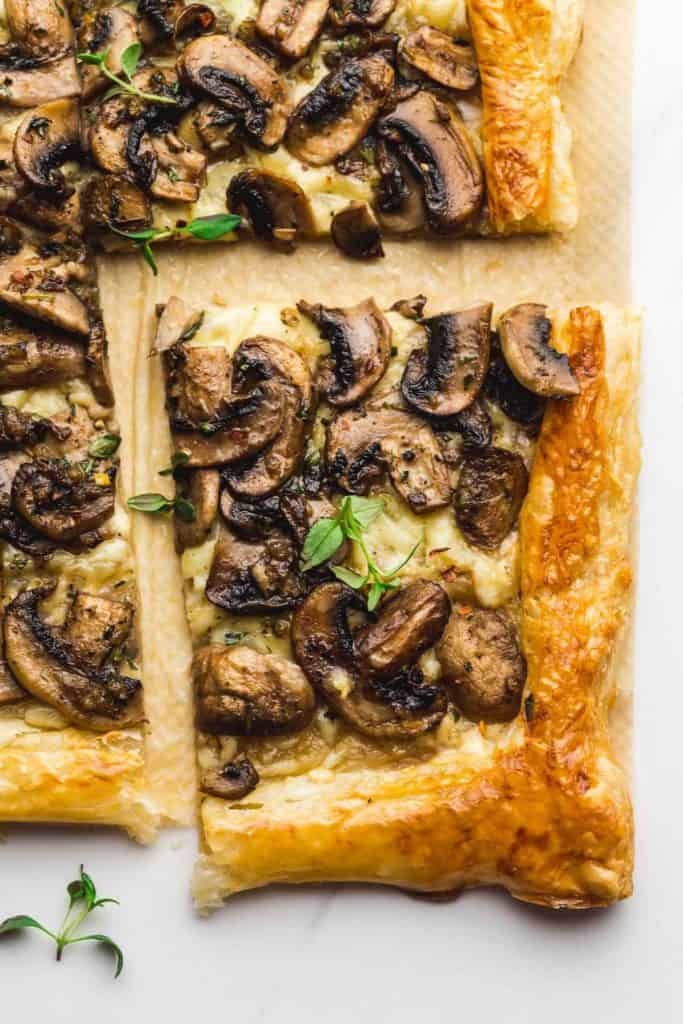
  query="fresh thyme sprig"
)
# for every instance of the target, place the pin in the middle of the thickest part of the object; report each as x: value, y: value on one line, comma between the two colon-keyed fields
x: 82, y: 900
x: 208, y: 229
x: 352, y: 520
x: 130, y: 58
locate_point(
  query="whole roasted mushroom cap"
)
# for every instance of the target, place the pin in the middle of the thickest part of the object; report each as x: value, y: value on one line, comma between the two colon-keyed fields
x: 275, y: 362
x: 49, y: 668
x: 231, y: 782
x: 291, y: 26
x: 441, y: 58
x: 433, y: 140
x: 46, y: 138
x: 525, y: 332
x: 360, y: 342
x: 58, y: 502
x: 241, y: 692
x: 445, y: 378
x: 400, y: 707
x: 364, y: 444
x: 483, y: 666
x: 223, y: 68
x: 345, y: 14
x: 491, y: 488
x: 356, y: 233
x: 277, y: 207
x: 255, y: 576
x: 332, y: 118
x: 409, y: 623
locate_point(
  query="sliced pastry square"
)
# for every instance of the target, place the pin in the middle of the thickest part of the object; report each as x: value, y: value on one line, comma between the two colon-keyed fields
x: 77, y: 722
x: 406, y: 544
x: 323, y: 118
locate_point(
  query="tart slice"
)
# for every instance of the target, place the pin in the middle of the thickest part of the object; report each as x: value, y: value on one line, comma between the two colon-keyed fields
x: 78, y: 724
x: 407, y: 560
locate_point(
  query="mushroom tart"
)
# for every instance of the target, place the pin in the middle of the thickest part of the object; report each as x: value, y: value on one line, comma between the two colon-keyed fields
x: 366, y: 627
x: 349, y: 120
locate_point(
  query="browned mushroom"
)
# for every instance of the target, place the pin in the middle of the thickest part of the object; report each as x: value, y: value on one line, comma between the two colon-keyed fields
x: 356, y: 233
x: 95, y: 627
x: 111, y: 30
x: 346, y: 14
x: 439, y: 57
x: 41, y: 28
x: 110, y: 201
x: 525, y: 332
x: 482, y: 664
x: 46, y: 665
x: 192, y: 21
x: 491, y: 488
x: 212, y: 424
x: 22, y: 429
x: 290, y: 26
x: 409, y: 623
x: 223, y: 68
x: 433, y: 140
x: 12, y: 527
x: 231, y: 782
x: 159, y: 19
x: 255, y: 576
x: 363, y: 444
x: 400, y: 200
x: 473, y: 425
x: 400, y: 707
x: 241, y: 692
x: 520, y: 404
x: 46, y: 138
x: 339, y: 111
x: 58, y: 501
x: 201, y: 488
x: 37, y: 283
x: 446, y: 377
x: 29, y: 359
x: 279, y: 365
x: 360, y: 342
x: 276, y: 207
x: 26, y: 82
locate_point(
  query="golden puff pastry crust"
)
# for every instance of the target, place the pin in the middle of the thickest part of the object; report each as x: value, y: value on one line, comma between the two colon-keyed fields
x: 545, y: 810
x: 523, y: 48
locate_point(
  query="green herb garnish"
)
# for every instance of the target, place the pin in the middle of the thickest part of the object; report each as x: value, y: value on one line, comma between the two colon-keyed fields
x: 352, y: 520
x: 158, y: 504
x: 82, y: 900
x: 104, y: 446
x: 130, y: 58
x: 178, y: 458
x: 208, y: 229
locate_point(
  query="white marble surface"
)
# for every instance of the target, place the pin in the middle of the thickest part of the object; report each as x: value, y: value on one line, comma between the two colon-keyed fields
x: 371, y: 955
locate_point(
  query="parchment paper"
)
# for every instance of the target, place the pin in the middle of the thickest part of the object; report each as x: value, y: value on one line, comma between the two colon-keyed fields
x: 592, y: 264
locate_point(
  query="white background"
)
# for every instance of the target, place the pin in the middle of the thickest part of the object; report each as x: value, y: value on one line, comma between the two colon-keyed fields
x: 365, y: 954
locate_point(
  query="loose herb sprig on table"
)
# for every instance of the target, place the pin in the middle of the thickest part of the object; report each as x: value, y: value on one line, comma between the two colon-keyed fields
x: 130, y: 58
x: 158, y: 504
x: 352, y: 520
x: 82, y: 900
x: 208, y: 229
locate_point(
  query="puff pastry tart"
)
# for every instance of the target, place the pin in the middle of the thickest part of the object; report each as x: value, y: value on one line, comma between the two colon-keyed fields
x: 349, y: 118
x: 408, y: 583
x: 74, y: 716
